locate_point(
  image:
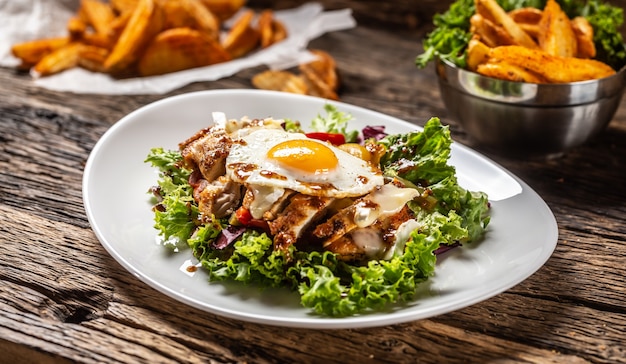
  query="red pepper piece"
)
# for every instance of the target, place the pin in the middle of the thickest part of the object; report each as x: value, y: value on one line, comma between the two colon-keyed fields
x: 332, y: 138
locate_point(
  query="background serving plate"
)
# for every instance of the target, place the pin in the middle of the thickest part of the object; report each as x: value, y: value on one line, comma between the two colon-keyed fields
x: 521, y: 236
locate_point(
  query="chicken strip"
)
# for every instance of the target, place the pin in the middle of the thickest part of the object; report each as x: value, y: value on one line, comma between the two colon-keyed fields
x: 296, y: 217
x: 385, y: 201
x: 207, y: 150
x: 219, y: 198
x: 377, y: 241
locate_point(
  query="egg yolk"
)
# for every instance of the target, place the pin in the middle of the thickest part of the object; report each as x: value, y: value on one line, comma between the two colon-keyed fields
x: 304, y: 155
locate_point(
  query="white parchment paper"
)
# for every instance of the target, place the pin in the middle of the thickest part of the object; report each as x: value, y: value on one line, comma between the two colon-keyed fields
x: 25, y: 20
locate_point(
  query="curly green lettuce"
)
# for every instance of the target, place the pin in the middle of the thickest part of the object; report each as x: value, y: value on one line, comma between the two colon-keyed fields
x: 450, y: 36
x: 421, y: 158
x: 327, y: 285
x: 335, y: 121
x: 175, y: 214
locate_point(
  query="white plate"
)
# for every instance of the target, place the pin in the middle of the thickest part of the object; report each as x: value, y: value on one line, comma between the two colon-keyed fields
x: 521, y: 236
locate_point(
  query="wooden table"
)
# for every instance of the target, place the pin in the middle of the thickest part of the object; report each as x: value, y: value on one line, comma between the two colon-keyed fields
x: 64, y: 299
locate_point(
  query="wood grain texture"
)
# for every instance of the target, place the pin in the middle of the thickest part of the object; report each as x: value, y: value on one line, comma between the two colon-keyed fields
x: 64, y: 299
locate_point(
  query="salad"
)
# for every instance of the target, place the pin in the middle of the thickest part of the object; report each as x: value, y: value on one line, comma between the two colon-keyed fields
x: 451, y: 34
x: 352, y: 221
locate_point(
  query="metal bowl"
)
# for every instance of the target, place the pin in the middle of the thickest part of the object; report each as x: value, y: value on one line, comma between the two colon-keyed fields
x: 528, y: 119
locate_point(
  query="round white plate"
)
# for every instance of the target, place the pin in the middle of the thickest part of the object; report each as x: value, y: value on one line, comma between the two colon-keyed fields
x: 520, y: 238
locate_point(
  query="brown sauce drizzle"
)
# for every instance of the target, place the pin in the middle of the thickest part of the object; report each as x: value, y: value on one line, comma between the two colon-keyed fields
x: 272, y: 175
x: 317, y: 186
x: 242, y: 170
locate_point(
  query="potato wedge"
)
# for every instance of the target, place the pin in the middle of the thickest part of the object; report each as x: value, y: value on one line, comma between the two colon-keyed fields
x: 324, y: 67
x: 316, y: 86
x: 526, y: 15
x: 492, y: 11
x: 477, y: 53
x: 316, y: 78
x: 528, y: 19
x: 204, y: 19
x: 99, y: 15
x: 178, y: 49
x: 280, y: 81
x: 92, y: 58
x: 556, y: 35
x: 76, y: 27
x: 509, y: 72
x: 280, y: 31
x: 98, y: 40
x: 59, y: 60
x: 117, y: 25
x: 554, y: 69
x: 489, y: 33
x: 224, y: 9
x: 242, y: 37
x: 271, y: 30
x: 531, y: 29
x: 586, y: 48
x: 33, y: 51
x: 175, y: 15
x: 123, y: 6
x: 145, y: 22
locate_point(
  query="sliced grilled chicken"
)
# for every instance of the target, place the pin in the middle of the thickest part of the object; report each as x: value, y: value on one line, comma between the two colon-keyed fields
x: 207, y: 150
x: 377, y: 241
x: 219, y: 198
x: 385, y: 201
x: 296, y: 217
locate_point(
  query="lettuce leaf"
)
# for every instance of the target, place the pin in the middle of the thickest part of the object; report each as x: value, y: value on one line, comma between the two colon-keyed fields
x: 450, y: 36
x: 422, y: 159
x: 371, y: 287
x: 252, y: 260
x: 606, y: 21
x: 169, y: 163
x: 335, y: 121
x: 175, y: 214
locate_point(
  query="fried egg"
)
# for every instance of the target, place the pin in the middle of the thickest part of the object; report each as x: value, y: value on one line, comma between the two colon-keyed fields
x: 279, y: 159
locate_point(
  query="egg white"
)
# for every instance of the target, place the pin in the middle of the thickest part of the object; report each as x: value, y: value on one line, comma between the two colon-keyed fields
x: 247, y: 163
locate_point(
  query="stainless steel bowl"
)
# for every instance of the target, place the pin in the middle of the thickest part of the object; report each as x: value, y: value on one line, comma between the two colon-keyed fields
x: 529, y: 119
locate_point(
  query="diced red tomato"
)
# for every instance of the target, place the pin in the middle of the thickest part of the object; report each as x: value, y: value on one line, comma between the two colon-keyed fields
x: 332, y: 138
x: 245, y: 218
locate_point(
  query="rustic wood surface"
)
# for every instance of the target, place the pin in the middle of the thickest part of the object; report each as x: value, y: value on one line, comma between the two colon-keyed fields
x: 64, y: 299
